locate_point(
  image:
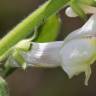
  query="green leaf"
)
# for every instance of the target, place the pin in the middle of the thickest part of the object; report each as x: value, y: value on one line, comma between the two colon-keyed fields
x: 49, y: 31
x: 3, y: 87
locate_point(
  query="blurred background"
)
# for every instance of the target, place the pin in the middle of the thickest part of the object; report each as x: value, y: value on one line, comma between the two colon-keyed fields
x: 42, y: 81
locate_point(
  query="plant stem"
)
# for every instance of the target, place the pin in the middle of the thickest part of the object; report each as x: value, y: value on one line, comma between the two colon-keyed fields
x: 24, y: 28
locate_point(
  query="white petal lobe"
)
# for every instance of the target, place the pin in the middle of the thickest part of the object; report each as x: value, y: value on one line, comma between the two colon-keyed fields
x: 77, y: 56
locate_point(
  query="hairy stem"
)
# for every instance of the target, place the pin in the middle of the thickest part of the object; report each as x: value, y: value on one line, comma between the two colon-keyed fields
x: 24, y: 28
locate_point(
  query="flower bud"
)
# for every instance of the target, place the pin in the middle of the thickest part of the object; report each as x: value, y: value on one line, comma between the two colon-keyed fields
x: 87, y: 9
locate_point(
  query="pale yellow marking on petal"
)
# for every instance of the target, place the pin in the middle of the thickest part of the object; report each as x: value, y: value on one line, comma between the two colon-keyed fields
x: 92, y: 41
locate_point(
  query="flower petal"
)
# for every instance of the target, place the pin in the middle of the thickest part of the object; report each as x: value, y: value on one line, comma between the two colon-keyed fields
x: 88, y: 29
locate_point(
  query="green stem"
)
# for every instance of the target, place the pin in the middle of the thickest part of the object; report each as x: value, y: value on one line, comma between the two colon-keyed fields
x: 24, y: 28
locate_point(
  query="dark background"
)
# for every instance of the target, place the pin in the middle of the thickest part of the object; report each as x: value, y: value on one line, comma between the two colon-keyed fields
x: 42, y: 81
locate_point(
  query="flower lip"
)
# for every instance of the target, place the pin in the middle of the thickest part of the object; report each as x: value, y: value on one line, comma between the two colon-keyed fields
x: 76, y: 56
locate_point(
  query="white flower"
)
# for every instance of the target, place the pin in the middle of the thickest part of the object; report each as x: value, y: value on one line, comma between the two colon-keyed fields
x: 79, y: 50
x: 75, y: 54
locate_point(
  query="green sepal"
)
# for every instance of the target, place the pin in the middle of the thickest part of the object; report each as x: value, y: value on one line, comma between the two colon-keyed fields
x: 8, y: 68
x: 23, y: 45
x: 3, y: 87
x: 77, y: 9
x: 19, y: 59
